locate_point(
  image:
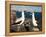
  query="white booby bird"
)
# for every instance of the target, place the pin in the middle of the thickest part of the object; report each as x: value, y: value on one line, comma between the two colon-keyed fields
x: 34, y: 22
x: 22, y: 18
x: 33, y: 19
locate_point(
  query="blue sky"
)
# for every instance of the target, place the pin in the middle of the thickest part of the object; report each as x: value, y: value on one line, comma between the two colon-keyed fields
x: 34, y: 8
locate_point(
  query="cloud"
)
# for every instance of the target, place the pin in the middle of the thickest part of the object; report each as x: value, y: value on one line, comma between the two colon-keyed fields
x: 28, y: 8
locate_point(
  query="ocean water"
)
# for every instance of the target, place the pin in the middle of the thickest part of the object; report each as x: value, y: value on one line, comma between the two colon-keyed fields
x: 37, y: 15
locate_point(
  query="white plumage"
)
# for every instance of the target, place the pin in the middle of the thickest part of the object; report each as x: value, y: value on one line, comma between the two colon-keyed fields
x: 21, y: 18
x: 33, y: 19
